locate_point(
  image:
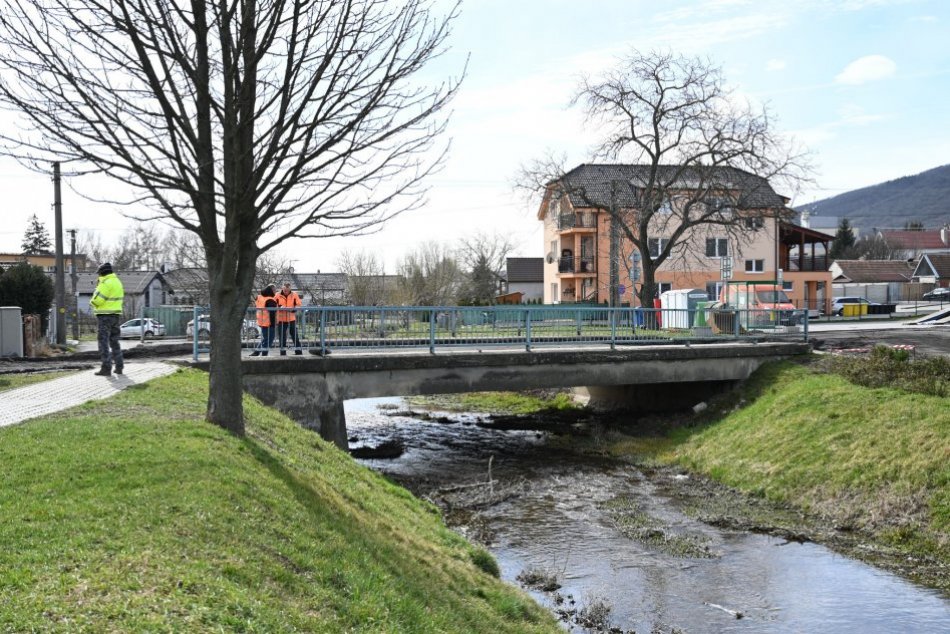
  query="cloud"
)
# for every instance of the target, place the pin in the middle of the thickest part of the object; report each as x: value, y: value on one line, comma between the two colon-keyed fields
x: 775, y: 64
x: 865, y: 69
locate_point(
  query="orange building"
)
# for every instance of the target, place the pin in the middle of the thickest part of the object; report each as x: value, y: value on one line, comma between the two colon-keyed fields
x: 761, y: 241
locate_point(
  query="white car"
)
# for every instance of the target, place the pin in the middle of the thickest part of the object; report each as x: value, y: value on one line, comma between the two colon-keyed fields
x: 249, y: 329
x: 134, y: 328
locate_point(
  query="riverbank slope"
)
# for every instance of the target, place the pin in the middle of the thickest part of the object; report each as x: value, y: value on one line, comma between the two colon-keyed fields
x: 872, y: 464
x: 133, y: 514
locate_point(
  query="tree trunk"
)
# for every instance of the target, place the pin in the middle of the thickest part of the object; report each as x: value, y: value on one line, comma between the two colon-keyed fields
x: 229, y: 303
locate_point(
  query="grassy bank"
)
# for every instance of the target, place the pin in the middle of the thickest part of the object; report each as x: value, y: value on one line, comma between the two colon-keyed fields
x: 131, y: 514
x: 874, y: 460
x: 13, y: 381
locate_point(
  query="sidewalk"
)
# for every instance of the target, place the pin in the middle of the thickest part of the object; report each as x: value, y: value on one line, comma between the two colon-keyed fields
x: 58, y: 394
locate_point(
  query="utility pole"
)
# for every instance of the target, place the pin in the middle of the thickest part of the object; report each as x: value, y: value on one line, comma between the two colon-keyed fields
x: 73, y: 278
x: 60, y: 283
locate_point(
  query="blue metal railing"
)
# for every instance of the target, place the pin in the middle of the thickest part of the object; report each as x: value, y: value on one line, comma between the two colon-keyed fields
x: 321, y: 329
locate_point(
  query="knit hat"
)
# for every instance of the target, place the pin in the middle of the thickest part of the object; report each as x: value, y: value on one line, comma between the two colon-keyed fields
x: 104, y: 269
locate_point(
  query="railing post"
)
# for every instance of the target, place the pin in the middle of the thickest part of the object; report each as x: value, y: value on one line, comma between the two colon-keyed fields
x: 805, y: 324
x: 527, y: 329
x: 613, y: 328
x: 736, y: 323
x: 194, y: 335
x: 577, y: 317
x: 432, y: 331
x: 323, y: 331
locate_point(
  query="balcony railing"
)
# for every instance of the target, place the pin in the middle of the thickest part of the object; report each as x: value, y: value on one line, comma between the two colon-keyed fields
x: 582, y: 264
x: 582, y: 220
x: 808, y: 263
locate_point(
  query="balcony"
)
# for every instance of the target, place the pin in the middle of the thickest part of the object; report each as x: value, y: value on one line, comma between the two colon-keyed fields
x: 580, y: 220
x: 807, y: 262
x: 574, y: 265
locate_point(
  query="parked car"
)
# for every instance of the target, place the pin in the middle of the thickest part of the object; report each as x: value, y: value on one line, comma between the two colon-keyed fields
x: 838, y: 304
x: 134, y: 328
x: 249, y: 330
x: 938, y: 295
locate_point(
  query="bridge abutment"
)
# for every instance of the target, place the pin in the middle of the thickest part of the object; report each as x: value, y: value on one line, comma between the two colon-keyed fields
x: 652, y: 397
x: 307, y: 398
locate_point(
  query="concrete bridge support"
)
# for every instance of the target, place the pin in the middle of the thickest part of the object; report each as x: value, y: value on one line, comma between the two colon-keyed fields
x: 304, y: 397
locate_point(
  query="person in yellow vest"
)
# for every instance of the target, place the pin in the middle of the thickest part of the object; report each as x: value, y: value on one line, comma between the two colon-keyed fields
x: 106, y: 303
x: 266, y: 319
x: 288, y: 302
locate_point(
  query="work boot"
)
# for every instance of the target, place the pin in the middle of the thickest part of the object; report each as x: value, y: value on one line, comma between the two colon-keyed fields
x: 104, y: 371
x: 283, y: 353
x: 118, y: 369
x: 298, y: 351
x: 256, y: 353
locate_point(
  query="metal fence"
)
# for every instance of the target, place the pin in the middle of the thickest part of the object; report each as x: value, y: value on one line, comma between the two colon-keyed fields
x: 322, y: 329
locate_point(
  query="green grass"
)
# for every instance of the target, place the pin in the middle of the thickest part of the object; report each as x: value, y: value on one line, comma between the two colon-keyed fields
x: 132, y: 514
x: 872, y: 458
x: 13, y: 381
x: 496, y: 402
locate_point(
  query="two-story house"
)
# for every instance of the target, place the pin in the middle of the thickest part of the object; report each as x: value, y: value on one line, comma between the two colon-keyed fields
x: 762, y: 243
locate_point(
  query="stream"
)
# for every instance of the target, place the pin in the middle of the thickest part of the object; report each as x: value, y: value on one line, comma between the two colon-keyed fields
x: 624, y: 555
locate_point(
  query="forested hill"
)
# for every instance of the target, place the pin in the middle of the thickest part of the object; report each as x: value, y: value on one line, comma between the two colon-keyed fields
x: 923, y: 198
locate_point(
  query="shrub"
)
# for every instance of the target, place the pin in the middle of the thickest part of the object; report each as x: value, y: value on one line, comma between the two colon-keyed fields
x: 26, y: 286
x: 887, y: 367
x: 484, y: 561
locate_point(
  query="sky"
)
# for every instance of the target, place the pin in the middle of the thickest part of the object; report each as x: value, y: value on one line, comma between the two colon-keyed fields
x: 864, y: 85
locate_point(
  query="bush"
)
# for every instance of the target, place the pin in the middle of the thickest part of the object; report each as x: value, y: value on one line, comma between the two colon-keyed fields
x: 886, y: 367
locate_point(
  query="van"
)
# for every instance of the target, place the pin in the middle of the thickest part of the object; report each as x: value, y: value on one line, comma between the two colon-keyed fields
x: 765, y: 304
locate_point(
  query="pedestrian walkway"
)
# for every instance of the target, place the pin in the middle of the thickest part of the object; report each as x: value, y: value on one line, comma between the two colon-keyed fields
x: 55, y: 395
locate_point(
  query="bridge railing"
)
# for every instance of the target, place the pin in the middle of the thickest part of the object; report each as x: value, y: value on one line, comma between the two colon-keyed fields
x: 324, y: 328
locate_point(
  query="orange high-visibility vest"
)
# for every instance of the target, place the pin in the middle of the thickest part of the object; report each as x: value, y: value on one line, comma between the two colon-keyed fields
x: 263, y: 315
x: 287, y: 304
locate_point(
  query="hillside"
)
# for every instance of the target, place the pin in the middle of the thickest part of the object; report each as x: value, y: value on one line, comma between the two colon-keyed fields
x: 924, y: 198
x: 132, y: 514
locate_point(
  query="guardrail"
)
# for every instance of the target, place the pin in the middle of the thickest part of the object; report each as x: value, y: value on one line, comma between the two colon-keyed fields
x: 324, y: 328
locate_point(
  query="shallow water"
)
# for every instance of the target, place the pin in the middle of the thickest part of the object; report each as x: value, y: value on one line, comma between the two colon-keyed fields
x: 558, y: 524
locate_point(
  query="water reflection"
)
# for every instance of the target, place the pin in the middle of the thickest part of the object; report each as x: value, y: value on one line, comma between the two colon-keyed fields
x: 558, y: 524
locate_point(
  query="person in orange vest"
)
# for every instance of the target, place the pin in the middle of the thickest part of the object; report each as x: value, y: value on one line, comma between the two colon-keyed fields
x: 288, y: 302
x: 266, y: 319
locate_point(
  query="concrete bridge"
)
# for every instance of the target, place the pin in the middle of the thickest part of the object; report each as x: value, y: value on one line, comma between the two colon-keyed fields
x: 642, y: 379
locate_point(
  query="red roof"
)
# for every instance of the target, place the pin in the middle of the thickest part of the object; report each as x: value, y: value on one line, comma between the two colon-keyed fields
x: 914, y: 239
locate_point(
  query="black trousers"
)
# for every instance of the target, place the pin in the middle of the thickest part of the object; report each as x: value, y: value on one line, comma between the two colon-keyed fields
x: 108, y: 336
x: 288, y: 326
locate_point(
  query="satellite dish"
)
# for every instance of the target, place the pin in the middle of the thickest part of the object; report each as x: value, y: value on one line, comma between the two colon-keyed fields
x: 549, y: 258
x: 945, y: 236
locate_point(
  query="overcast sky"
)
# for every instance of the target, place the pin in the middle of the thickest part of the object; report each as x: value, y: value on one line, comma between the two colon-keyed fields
x: 862, y: 83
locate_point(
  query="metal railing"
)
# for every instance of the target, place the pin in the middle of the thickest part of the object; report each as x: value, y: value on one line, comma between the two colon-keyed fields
x: 582, y: 220
x: 322, y: 329
x: 579, y: 264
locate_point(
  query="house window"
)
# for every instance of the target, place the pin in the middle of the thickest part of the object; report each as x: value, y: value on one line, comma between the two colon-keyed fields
x: 553, y: 292
x: 666, y: 207
x: 754, y: 266
x: 754, y: 223
x: 787, y: 286
x: 662, y: 287
x: 717, y: 247
x: 554, y: 248
x: 657, y: 245
x: 554, y: 207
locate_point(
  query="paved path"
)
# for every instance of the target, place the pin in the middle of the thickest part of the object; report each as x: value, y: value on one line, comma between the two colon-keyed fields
x: 51, y: 396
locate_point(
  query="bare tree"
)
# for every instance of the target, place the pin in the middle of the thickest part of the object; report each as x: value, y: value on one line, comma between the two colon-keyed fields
x: 365, y: 277
x: 483, y: 256
x: 430, y: 276
x: 244, y: 122
x: 96, y: 252
x: 694, y: 164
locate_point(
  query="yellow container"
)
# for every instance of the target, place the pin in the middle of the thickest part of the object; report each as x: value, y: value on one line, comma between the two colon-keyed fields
x: 862, y: 309
x: 850, y: 310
